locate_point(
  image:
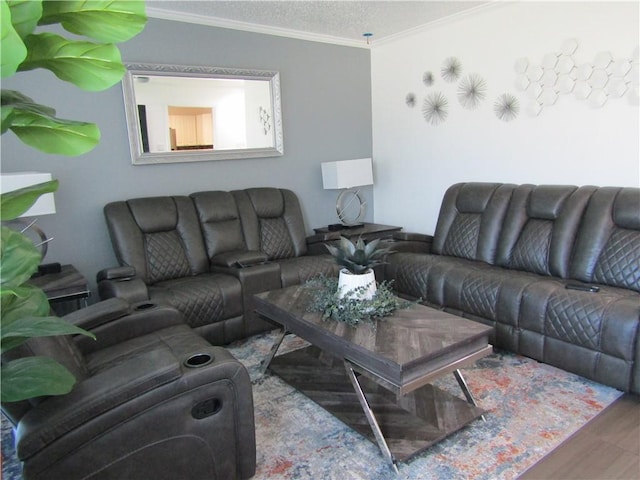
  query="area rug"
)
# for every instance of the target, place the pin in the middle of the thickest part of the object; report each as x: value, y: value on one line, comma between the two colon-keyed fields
x: 532, y: 408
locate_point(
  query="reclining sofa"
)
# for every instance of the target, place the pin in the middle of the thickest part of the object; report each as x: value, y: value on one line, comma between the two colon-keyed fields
x: 207, y: 254
x: 152, y: 400
x: 555, y: 269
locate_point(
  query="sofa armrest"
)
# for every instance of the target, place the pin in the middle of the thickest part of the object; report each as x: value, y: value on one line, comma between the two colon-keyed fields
x: 99, y: 313
x: 93, y: 397
x: 140, y: 319
x: 116, y: 273
x: 411, y: 242
x: 121, y: 282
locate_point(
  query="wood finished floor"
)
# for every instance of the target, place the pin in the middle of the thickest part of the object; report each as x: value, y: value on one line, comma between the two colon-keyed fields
x: 607, y: 448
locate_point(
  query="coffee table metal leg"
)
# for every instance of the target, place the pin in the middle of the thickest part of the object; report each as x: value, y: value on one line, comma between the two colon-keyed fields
x: 265, y: 363
x: 465, y: 389
x: 382, y: 443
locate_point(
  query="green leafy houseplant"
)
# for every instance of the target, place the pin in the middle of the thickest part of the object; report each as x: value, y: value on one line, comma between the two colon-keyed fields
x: 357, y: 279
x: 92, y: 66
x: 358, y: 257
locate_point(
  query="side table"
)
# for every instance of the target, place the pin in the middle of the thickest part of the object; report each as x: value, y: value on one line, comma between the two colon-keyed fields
x: 368, y: 231
x: 67, y: 285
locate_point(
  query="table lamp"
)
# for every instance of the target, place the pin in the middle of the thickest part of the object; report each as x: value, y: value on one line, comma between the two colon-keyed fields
x: 45, y: 205
x: 347, y: 175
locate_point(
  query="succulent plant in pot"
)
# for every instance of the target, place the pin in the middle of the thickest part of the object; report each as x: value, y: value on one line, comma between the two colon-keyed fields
x: 357, y: 259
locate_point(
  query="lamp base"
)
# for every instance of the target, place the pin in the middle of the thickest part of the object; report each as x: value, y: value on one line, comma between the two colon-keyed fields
x: 340, y: 226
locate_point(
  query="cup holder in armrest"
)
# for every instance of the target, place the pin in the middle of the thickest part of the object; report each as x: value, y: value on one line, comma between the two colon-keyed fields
x: 198, y: 360
x: 144, y: 306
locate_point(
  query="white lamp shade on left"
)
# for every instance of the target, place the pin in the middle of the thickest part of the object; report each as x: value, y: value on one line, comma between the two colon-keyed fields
x: 45, y: 205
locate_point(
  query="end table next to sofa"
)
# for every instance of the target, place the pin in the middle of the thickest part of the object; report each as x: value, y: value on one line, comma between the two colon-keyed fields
x: 368, y: 231
x: 62, y: 287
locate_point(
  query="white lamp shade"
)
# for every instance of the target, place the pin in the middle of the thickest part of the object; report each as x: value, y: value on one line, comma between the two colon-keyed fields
x: 347, y: 173
x: 45, y: 205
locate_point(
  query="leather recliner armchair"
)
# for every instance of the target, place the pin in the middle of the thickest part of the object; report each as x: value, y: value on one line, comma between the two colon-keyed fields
x: 152, y: 400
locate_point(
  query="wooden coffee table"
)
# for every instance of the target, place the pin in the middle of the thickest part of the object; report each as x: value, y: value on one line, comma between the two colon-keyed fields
x: 377, y: 379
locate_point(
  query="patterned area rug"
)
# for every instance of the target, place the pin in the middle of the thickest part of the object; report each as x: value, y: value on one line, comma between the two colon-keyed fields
x: 532, y: 408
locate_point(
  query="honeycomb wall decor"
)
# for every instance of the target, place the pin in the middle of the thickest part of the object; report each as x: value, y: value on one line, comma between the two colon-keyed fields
x: 602, y: 79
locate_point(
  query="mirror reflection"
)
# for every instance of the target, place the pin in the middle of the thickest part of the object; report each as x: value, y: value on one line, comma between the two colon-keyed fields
x: 177, y: 114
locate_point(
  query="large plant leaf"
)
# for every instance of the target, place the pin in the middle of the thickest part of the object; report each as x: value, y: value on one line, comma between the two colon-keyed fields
x: 15, y: 203
x: 22, y: 301
x: 54, y: 135
x: 13, y: 101
x: 30, y: 377
x: 20, y: 259
x: 105, y: 20
x: 16, y: 332
x: 12, y: 49
x: 90, y: 66
x: 25, y: 15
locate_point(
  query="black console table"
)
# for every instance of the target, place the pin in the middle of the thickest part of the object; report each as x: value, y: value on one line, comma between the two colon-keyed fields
x: 368, y: 231
x: 67, y: 285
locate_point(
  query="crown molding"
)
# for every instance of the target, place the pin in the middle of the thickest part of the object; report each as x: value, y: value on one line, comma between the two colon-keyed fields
x: 252, y: 27
x: 441, y: 21
x: 163, y: 14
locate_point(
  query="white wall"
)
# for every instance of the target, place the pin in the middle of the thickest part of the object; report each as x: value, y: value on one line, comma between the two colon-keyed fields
x: 567, y: 143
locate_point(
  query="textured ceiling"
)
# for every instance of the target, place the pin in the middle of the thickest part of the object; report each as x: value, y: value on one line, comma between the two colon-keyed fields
x: 345, y: 20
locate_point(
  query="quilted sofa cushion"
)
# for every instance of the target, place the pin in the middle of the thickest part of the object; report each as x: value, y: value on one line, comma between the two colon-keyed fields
x: 272, y: 222
x: 608, y: 247
x: 540, y: 228
x: 469, y: 221
x: 593, y: 334
x: 159, y: 236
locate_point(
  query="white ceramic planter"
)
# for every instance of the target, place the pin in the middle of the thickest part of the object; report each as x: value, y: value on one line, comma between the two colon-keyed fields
x: 348, y: 282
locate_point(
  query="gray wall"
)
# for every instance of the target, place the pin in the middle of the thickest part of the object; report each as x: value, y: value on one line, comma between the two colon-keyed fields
x: 326, y: 103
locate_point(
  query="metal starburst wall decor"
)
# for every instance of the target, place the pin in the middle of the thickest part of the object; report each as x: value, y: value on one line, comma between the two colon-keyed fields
x: 451, y: 69
x: 471, y: 91
x: 427, y: 79
x: 435, y: 108
x: 410, y: 100
x: 506, y: 107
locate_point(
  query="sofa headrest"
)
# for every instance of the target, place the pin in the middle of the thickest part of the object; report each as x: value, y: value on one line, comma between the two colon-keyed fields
x: 626, y: 209
x: 215, y: 206
x: 546, y: 201
x: 474, y: 197
x: 154, y: 214
x: 267, y: 202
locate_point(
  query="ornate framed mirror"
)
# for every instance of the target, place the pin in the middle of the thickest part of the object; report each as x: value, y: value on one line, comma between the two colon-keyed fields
x: 179, y: 113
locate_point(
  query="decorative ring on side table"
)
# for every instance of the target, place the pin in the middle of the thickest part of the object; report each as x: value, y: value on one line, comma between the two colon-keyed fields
x: 350, y: 207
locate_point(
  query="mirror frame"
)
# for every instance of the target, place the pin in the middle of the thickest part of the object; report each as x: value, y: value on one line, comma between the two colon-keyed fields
x: 139, y: 157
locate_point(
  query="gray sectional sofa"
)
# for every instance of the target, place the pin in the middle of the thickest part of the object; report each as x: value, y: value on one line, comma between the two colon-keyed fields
x: 555, y: 269
x: 207, y: 254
